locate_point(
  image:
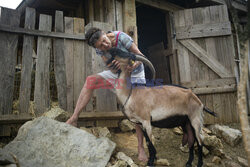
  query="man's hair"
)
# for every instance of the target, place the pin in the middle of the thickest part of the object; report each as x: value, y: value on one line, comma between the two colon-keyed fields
x: 92, y: 35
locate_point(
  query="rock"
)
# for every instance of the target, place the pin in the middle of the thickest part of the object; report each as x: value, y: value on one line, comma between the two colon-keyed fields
x: 98, y: 131
x: 11, y: 165
x: 209, y: 164
x: 242, y: 162
x: 216, y: 160
x: 46, y: 142
x: 126, y: 126
x: 58, y: 114
x: 124, y: 157
x: 162, y: 162
x: 120, y: 163
x: 6, y: 158
x: 218, y: 152
x: 231, y: 164
x: 205, y: 151
x: 228, y: 157
x: 229, y: 135
x: 206, y: 130
x: 184, y: 148
x: 212, y: 142
x: 178, y: 131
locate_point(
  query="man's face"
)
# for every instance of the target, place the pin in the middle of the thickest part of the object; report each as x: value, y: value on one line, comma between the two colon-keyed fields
x: 103, y: 43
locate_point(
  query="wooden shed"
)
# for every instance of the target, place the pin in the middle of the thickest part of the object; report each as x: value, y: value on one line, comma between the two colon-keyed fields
x: 192, y: 43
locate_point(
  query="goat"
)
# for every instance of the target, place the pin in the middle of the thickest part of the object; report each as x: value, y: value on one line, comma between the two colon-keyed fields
x: 162, y: 106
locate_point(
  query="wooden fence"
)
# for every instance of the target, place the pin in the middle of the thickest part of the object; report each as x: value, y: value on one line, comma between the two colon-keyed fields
x: 73, y: 61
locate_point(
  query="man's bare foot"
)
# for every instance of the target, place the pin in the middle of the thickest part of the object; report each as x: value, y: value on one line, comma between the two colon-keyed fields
x: 142, y: 155
x: 72, y: 122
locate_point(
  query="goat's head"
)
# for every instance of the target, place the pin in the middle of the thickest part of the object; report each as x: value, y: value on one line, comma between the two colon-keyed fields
x: 127, y: 58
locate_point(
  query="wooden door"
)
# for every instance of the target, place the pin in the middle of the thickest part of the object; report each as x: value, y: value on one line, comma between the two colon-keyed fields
x: 205, y: 51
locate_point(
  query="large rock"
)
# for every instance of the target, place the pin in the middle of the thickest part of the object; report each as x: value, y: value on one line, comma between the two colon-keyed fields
x: 229, y: 135
x: 46, y: 142
x: 212, y: 142
x: 126, y: 126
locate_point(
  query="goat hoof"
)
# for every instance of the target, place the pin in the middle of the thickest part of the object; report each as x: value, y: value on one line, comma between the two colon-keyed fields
x: 199, y: 164
x: 188, y: 165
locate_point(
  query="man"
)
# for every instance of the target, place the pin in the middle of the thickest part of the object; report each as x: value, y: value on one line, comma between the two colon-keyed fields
x: 102, y: 42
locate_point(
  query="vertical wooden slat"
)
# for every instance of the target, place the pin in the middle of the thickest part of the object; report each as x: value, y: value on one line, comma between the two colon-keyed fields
x: 129, y: 19
x: 8, y: 53
x: 118, y: 15
x: 69, y: 63
x: 25, y: 87
x: 59, y: 62
x: 41, y: 94
x: 79, y: 68
x: 109, y: 12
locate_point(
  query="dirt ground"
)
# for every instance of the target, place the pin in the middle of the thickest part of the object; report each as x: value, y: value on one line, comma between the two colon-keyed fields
x: 167, y: 144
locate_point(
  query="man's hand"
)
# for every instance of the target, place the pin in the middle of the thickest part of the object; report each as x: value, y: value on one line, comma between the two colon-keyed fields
x: 130, y: 68
x: 114, y: 66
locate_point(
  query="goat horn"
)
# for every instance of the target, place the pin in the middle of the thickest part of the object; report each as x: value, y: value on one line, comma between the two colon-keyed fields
x: 147, y: 62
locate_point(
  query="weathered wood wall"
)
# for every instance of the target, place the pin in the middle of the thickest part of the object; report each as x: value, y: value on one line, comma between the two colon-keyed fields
x: 206, y: 59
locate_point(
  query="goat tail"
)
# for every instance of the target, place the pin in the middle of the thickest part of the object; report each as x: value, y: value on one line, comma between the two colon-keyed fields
x: 209, y: 111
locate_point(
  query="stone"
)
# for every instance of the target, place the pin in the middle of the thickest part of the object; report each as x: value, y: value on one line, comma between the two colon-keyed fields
x: 216, y: 160
x: 218, y: 152
x: 212, y: 142
x: 242, y: 162
x: 6, y: 158
x: 205, y: 151
x: 124, y: 157
x: 184, y: 148
x: 177, y: 131
x: 209, y: 164
x: 98, y: 131
x: 46, y: 142
x: 57, y: 113
x: 126, y: 126
x: 162, y: 162
x: 120, y: 163
x: 206, y: 130
x: 229, y: 135
x: 231, y: 164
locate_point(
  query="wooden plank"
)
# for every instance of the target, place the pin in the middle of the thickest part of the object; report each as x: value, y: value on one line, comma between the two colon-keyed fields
x: 69, y: 63
x: 25, y: 87
x: 109, y: 13
x: 42, y: 80
x: 119, y: 15
x: 24, y: 31
x: 8, y: 52
x: 159, y: 4
x: 204, y: 57
x: 209, y: 83
x: 84, y: 116
x: 129, y: 19
x: 59, y: 62
x: 91, y: 10
x: 204, y: 30
x: 214, y: 90
x: 79, y: 60
x: 209, y: 119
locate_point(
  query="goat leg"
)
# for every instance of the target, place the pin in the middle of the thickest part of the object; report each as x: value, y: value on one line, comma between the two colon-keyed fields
x: 151, y: 150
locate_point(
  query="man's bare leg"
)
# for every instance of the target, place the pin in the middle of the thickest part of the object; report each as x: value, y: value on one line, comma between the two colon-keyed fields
x: 141, y: 152
x: 84, y: 98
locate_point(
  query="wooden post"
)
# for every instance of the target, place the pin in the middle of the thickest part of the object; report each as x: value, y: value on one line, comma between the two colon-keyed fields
x: 242, y: 104
x: 129, y: 19
x: 59, y: 62
x: 27, y: 63
x: 118, y: 15
x: 8, y: 52
x: 41, y: 94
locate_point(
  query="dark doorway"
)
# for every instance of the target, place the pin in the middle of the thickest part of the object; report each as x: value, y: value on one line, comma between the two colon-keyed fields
x: 152, y: 39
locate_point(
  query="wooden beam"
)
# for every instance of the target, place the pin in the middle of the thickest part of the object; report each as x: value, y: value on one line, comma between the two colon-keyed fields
x: 160, y: 4
x: 210, y: 61
x: 209, y: 83
x: 203, y: 30
x: 24, y: 31
x: 84, y: 116
x: 223, y: 89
